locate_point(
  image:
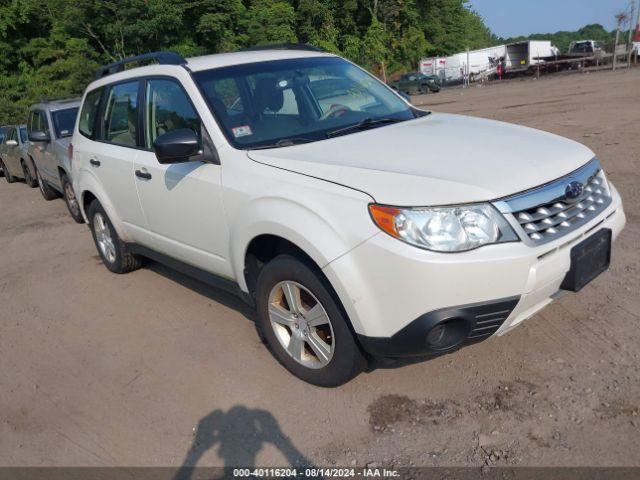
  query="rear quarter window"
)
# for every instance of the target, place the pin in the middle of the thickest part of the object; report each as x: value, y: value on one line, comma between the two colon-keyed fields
x: 89, y: 112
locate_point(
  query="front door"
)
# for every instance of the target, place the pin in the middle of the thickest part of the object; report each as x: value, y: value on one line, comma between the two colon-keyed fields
x: 182, y: 202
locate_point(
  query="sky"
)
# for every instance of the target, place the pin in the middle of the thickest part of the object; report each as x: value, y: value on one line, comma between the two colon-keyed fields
x: 510, y: 18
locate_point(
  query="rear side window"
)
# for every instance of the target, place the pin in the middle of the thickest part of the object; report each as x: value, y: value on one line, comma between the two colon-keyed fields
x: 90, y: 107
x: 121, y: 115
x: 168, y: 108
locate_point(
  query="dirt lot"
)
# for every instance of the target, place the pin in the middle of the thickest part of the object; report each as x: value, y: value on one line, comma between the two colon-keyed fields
x: 153, y: 368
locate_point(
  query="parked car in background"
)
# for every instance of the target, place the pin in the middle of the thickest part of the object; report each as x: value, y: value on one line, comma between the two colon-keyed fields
x: 416, y: 83
x: 14, y: 159
x: 585, y: 48
x: 341, y: 223
x: 2, y: 134
x: 50, y: 128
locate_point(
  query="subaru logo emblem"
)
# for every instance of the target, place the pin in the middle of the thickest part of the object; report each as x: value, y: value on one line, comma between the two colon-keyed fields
x: 573, y: 191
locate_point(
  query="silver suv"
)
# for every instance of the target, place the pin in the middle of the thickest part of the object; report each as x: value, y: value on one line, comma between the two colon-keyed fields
x: 50, y: 128
x: 14, y: 160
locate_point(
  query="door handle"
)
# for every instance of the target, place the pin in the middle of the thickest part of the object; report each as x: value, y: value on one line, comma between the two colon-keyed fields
x: 95, y: 163
x: 143, y: 174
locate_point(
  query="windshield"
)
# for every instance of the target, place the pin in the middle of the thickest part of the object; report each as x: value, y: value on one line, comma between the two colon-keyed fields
x: 64, y: 121
x: 23, y: 135
x: 294, y: 101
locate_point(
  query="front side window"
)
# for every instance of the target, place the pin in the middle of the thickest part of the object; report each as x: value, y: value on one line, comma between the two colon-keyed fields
x: 23, y: 135
x: 121, y: 115
x: 167, y: 108
x: 38, y: 122
x: 43, y: 122
x: 64, y: 121
x: 90, y: 107
x: 272, y: 103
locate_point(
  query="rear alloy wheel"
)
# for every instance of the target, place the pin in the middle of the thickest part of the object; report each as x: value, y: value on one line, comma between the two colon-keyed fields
x: 114, y: 252
x: 71, y: 200
x: 7, y: 175
x: 302, y: 323
x: 47, y: 192
x: 28, y: 178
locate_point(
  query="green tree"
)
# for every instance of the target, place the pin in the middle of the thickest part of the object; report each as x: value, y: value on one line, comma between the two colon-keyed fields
x: 53, y: 48
x: 271, y: 21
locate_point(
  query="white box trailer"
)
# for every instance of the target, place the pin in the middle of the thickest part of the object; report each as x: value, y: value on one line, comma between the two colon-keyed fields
x: 481, y: 62
x: 522, y: 55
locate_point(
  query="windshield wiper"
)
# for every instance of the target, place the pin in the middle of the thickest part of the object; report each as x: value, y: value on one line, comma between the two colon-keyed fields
x: 285, y: 142
x: 363, y: 125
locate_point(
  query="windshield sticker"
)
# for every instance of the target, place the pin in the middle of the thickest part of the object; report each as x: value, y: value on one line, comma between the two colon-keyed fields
x: 242, y: 131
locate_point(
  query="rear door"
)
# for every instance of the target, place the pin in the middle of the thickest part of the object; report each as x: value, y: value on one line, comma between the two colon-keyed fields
x: 182, y: 202
x: 110, y: 152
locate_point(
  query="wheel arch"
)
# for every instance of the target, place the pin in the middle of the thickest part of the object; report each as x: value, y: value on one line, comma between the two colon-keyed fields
x: 91, y: 192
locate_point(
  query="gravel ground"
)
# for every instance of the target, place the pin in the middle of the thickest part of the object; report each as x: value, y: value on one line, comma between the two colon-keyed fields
x: 155, y: 369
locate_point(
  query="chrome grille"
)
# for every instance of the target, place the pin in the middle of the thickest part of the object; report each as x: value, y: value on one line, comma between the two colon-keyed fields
x: 545, y: 214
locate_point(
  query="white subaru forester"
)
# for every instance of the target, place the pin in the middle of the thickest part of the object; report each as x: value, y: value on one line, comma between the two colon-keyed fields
x: 358, y: 225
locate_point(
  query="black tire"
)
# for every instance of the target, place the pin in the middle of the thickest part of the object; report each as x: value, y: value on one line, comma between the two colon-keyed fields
x: 71, y: 200
x: 28, y: 178
x: 7, y: 175
x: 47, y: 192
x: 123, y: 260
x: 347, y: 360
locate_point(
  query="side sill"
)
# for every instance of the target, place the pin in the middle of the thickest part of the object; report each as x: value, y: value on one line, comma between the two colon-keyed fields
x: 203, y: 276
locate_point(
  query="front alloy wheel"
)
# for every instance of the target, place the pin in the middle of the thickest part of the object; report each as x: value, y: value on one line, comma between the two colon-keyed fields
x: 71, y: 200
x: 301, y: 324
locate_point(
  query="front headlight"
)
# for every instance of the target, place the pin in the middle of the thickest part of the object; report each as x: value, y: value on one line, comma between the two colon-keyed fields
x: 444, y: 229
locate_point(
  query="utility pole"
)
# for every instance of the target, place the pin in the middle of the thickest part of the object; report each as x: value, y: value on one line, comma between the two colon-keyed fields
x: 468, y: 70
x: 632, y: 29
x: 620, y: 18
x: 615, y: 47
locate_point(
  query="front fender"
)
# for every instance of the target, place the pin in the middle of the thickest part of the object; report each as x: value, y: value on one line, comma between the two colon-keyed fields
x: 320, y: 236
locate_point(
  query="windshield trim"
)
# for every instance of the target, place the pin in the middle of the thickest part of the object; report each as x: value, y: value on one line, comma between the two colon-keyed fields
x: 321, y: 134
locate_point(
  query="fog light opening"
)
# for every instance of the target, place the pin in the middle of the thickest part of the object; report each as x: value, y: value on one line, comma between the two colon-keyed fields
x: 448, y: 334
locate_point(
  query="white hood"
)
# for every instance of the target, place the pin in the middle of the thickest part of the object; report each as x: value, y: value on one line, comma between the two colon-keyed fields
x: 439, y: 159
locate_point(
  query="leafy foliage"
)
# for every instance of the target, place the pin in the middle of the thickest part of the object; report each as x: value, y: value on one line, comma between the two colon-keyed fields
x: 53, y: 48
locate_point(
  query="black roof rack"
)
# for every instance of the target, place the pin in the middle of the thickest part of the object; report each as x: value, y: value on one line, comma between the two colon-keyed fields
x: 163, y: 58
x: 284, y: 46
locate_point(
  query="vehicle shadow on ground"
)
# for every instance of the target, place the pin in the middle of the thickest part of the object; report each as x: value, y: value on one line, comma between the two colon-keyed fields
x: 239, y: 434
x: 232, y: 301
x: 214, y: 294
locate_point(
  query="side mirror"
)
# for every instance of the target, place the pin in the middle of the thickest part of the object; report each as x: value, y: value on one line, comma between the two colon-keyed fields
x: 38, y: 136
x: 177, y: 146
x: 12, y: 143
